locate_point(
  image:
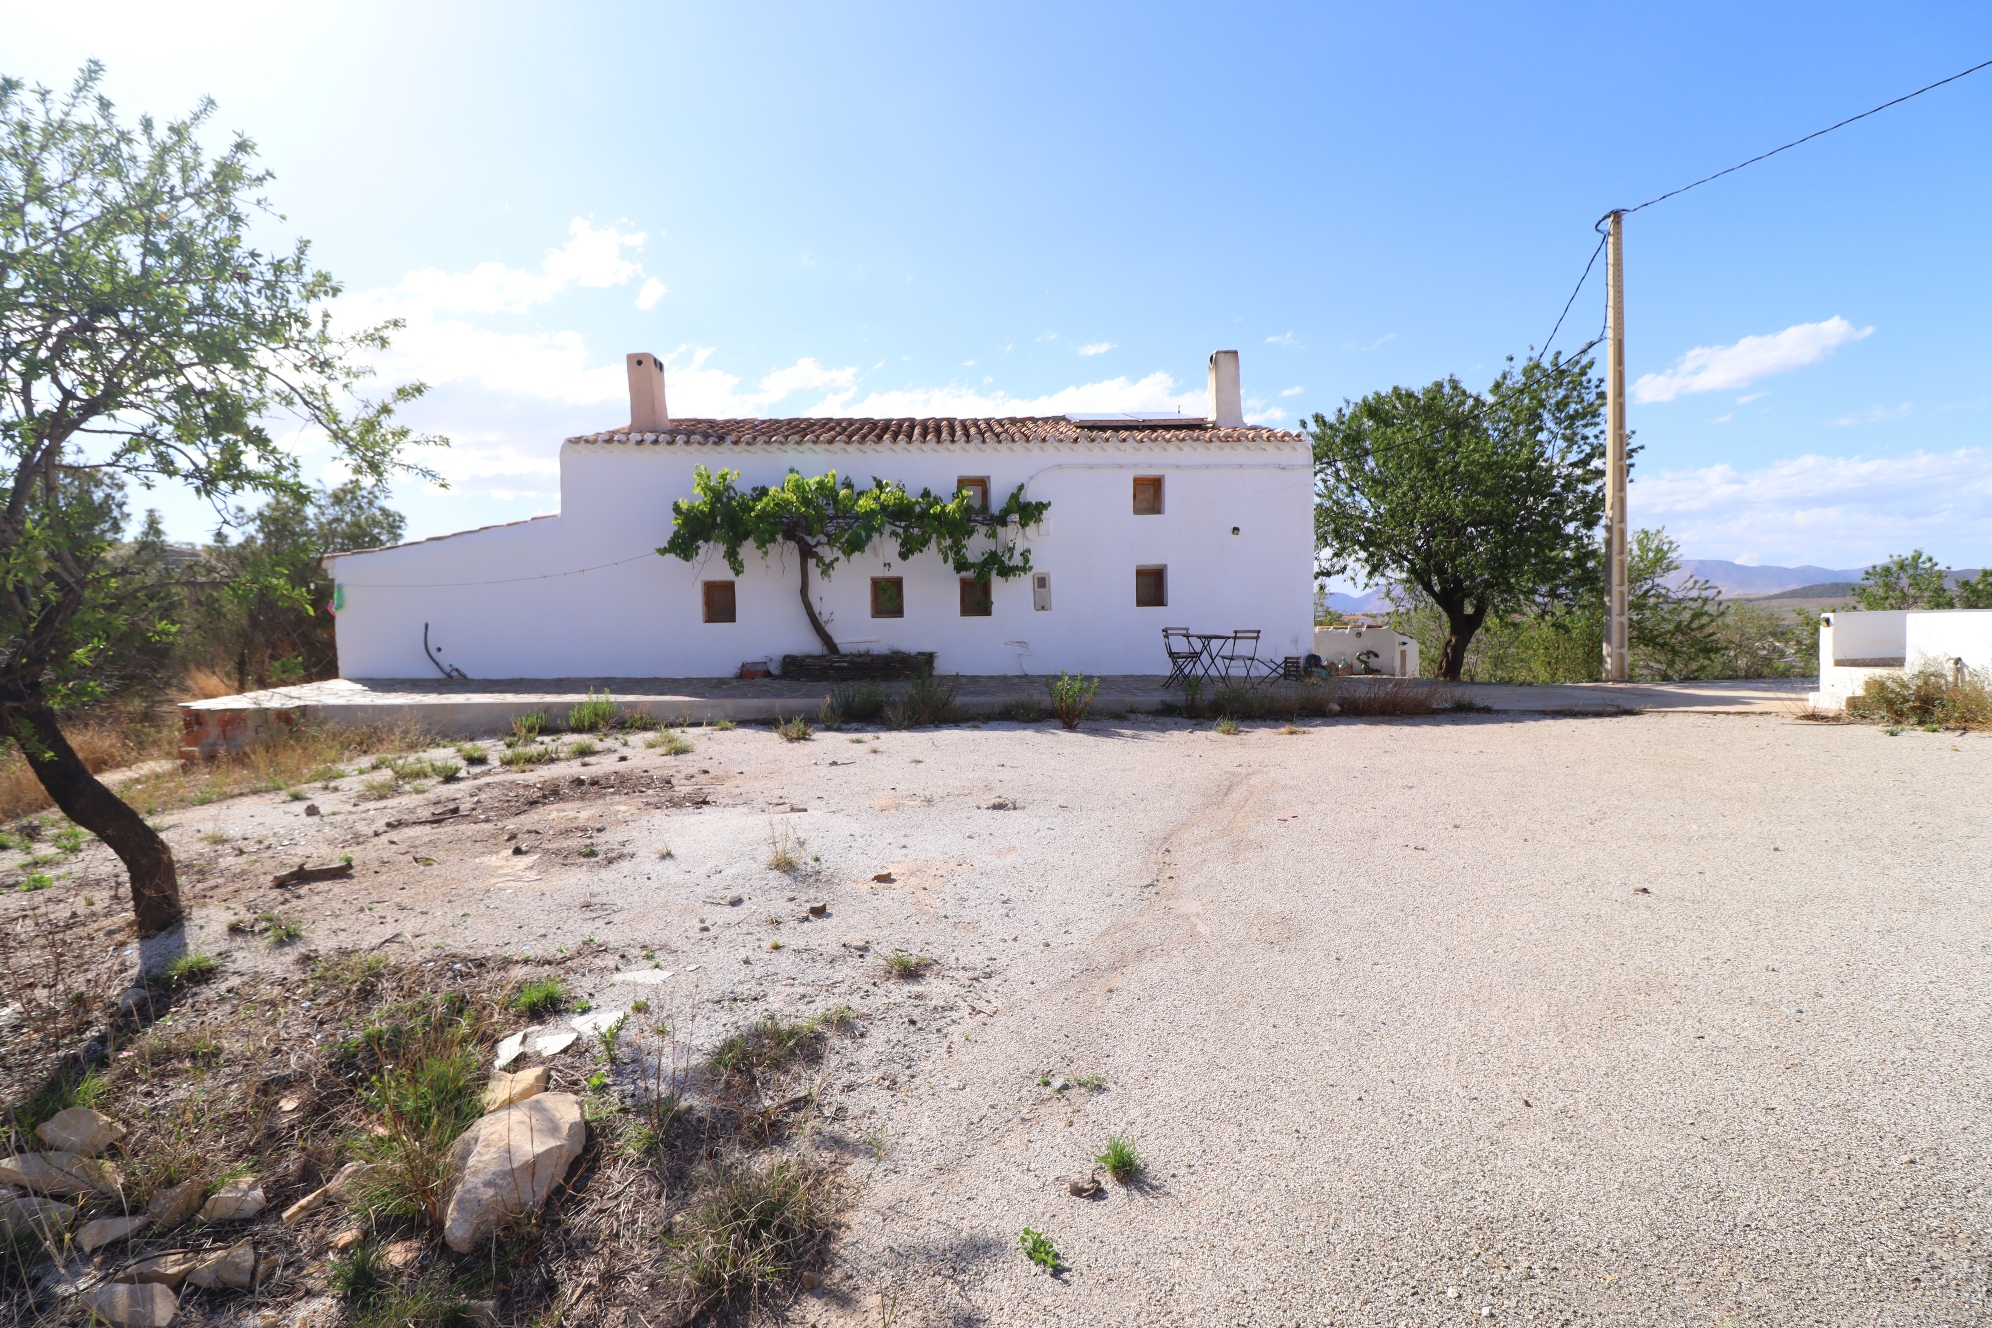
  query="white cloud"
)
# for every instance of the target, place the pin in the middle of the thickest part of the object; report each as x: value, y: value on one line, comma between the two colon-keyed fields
x: 1096, y: 348
x: 1831, y: 511
x: 1156, y: 392
x: 1715, y: 368
x: 1750, y: 397
x: 1875, y: 415
x: 590, y: 257
x: 1292, y: 391
x: 653, y: 291
x: 1283, y: 339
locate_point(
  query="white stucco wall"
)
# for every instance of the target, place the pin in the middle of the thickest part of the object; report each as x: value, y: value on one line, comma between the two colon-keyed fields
x: 1855, y: 646
x: 583, y: 594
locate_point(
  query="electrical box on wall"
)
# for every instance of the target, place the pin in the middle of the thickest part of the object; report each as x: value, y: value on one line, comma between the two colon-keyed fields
x: 1041, y: 591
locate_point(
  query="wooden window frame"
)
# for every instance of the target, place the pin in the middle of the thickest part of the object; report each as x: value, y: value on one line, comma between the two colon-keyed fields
x: 898, y: 593
x: 732, y: 596
x: 979, y: 483
x: 1161, y: 574
x: 977, y: 598
x: 1153, y: 484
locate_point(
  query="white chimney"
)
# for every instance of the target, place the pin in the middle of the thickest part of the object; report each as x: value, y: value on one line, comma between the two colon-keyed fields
x: 1227, y: 410
x: 646, y: 392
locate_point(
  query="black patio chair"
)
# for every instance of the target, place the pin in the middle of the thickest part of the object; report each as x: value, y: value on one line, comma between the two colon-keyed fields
x: 1185, y: 654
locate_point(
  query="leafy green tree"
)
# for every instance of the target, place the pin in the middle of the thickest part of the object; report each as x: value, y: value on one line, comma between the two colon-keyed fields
x: 273, y: 613
x: 1485, y: 503
x: 1907, y: 581
x: 143, y: 339
x: 828, y: 520
x: 1673, y: 627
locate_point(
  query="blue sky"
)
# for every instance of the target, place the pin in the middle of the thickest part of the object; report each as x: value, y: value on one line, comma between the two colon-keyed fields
x: 926, y: 209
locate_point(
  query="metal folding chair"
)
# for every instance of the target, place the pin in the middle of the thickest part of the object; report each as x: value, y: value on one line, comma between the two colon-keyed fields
x: 1184, y: 652
x: 1241, y: 653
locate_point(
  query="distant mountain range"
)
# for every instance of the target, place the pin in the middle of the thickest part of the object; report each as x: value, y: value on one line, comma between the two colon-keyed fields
x: 1738, y: 579
x: 1733, y: 580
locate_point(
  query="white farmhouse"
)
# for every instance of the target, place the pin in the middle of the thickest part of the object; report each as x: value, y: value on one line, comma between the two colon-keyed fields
x: 1155, y: 521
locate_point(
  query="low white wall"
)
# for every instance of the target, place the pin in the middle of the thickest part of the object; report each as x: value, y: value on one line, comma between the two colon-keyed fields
x: 1396, y: 654
x: 1855, y: 646
x: 584, y: 594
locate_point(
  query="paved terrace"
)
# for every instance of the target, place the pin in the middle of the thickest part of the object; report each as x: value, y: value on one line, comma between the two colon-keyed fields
x: 470, y: 707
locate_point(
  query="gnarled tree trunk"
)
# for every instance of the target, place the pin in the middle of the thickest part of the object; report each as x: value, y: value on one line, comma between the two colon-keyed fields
x: 1460, y: 628
x: 155, y: 885
x: 822, y: 632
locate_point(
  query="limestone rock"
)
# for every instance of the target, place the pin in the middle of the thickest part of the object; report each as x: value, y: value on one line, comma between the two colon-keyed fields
x: 44, y: 1217
x: 235, y: 1202
x: 93, y: 1236
x: 318, y: 1198
x: 232, y: 1267
x: 505, y: 1089
x: 345, y: 1240
x: 401, y: 1255
x: 79, y: 1130
x: 169, y: 1208
x: 134, y: 1305
x: 507, y: 1163
x: 168, y: 1269
x: 60, y: 1173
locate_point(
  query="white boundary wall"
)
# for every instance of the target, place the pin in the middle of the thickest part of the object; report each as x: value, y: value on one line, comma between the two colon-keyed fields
x: 583, y: 594
x: 1855, y: 646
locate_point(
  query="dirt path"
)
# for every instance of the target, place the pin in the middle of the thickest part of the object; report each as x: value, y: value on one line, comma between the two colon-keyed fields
x: 1654, y: 1019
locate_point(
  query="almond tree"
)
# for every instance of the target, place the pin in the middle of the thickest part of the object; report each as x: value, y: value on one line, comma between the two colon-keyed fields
x: 1486, y: 503
x: 143, y: 338
x: 828, y: 520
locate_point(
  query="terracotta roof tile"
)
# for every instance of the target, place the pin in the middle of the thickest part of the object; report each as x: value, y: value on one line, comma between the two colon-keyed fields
x: 940, y: 431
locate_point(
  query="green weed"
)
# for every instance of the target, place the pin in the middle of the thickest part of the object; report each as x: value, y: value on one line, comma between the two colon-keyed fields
x: 1121, y: 1160
x: 541, y: 996
x: 1039, y: 1249
x: 1071, y: 696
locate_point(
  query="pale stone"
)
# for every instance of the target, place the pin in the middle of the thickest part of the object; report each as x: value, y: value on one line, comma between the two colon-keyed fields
x: 346, y: 1239
x: 643, y: 977
x: 505, y: 1089
x: 169, y: 1208
x: 129, y: 1305
x: 79, y: 1130
x: 168, y: 1269
x: 60, y: 1173
x: 93, y: 1236
x: 507, y: 1163
x: 44, y: 1217
x: 598, y: 1021
x: 318, y: 1198
x: 232, y: 1267
x: 401, y: 1255
x: 235, y: 1202
x: 554, y: 1043
x: 511, y: 1048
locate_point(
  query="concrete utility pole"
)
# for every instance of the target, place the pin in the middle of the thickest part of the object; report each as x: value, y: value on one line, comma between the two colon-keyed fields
x: 1616, y: 617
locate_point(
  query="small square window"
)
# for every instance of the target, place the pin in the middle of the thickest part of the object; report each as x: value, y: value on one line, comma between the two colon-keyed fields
x: 1148, y: 495
x: 719, y: 601
x: 888, y: 597
x: 976, y: 602
x: 977, y: 489
x: 1151, y: 587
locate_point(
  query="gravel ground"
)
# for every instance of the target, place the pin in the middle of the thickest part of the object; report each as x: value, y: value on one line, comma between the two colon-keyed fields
x: 1637, y: 1020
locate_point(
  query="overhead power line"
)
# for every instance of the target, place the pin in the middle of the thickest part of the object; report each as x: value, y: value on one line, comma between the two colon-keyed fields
x: 1807, y: 139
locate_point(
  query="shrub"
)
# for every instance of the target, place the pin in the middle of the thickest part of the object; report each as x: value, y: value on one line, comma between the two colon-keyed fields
x: 855, y: 703
x: 473, y: 754
x: 786, y: 849
x: 927, y: 700
x: 671, y: 743
x: 1071, y: 696
x: 795, y: 729
x: 593, y: 715
x: 1024, y: 710
x: 585, y: 747
x: 1228, y: 727
x: 1931, y: 694
x: 527, y: 728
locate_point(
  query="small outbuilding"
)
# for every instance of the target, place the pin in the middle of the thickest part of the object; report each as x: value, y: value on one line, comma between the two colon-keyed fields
x: 1154, y: 521
x: 1856, y: 645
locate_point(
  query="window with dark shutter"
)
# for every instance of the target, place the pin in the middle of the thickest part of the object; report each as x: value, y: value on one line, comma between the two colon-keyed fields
x: 1148, y: 495
x: 719, y: 602
x: 976, y: 601
x: 1151, y: 587
x: 888, y: 597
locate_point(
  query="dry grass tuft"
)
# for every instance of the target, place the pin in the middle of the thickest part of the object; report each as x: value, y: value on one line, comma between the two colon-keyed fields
x: 205, y: 682
x: 751, y: 1228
